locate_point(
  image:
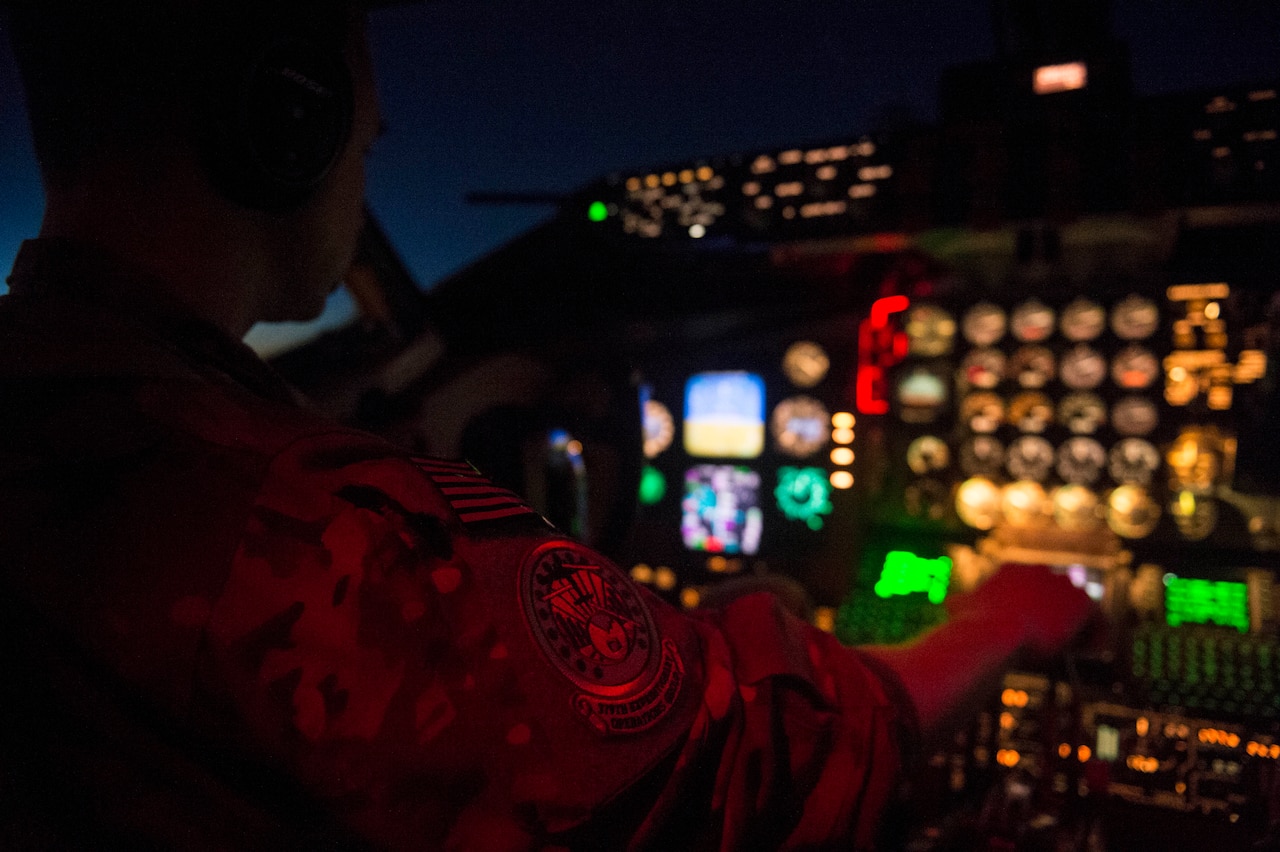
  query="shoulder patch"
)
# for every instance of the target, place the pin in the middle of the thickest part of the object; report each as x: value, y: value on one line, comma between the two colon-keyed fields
x: 475, y: 499
x: 596, y: 629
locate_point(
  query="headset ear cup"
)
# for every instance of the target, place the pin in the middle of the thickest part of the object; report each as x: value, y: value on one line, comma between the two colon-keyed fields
x: 281, y: 125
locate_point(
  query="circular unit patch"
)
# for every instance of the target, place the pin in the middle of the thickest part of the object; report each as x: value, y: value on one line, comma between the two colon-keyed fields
x: 588, y: 618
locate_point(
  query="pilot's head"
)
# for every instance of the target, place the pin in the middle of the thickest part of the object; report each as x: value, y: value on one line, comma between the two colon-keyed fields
x: 253, y: 114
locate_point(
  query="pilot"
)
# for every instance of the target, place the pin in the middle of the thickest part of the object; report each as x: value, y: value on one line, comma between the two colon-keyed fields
x: 232, y: 624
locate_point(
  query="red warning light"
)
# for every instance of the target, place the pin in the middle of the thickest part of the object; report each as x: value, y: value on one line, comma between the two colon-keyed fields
x: 881, y: 345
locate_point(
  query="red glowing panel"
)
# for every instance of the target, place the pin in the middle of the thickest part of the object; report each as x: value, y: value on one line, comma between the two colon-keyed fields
x: 881, y: 345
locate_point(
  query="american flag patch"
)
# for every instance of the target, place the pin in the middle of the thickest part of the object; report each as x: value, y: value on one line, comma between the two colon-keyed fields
x: 472, y: 497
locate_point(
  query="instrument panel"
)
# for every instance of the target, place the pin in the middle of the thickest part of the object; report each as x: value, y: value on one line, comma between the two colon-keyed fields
x: 864, y: 367
x: 889, y: 455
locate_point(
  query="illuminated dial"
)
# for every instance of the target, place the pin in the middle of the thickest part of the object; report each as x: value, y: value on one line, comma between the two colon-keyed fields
x: 1083, y: 319
x: 930, y: 331
x: 1082, y: 367
x: 982, y: 455
x: 1134, y: 368
x: 1135, y: 318
x: 1135, y: 415
x: 1023, y: 503
x: 1075, y: 508
x: 928, y: 453
x: 921, y: 393
x: 978, y: 502
x: 1082, y: 413
x: 804, y: 494
x: 1032, y: 366
x: 1133, y: 461
x: 982, y: 412
x: 982, y: 368
x: 805, y: 364
x: 1131, y: 512
x: 799, y: 426
x: 983, y: 324
x: 658, y: 428
x: 1031, y: 412
x: 1032, y: 321
x: 1029, y: 457
x: 1081, y: 460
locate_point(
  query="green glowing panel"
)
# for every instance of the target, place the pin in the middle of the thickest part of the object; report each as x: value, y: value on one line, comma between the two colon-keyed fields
x: 905, y: 573
x: 653, y: 486
x: 597, y: 212
x: 803, y: 494
x: 1189, y: 601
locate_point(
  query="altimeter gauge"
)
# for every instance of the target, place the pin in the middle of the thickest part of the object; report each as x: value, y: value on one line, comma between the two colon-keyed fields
x: 1135, y: 318
x: 1082, y: 319
x: 982, y: 368
x: 1082, y: 367
x: 984, y: 324
x: 1082, y: 413
x: 1030, y: 457
x: 1032, y: 321
x: 930, y: 331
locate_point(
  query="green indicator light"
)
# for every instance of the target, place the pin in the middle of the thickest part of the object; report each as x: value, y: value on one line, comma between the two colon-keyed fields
x: 905, y: 573
x: 1202, y: 601
x: 803, y: 494
x: 598, y: 211
x: 653, y: 486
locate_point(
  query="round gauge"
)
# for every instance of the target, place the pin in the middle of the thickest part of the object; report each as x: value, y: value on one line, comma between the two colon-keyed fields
x: 983, y: 324
x: 982, y: 412
x: 982, y: 368
x: 1082, y: 413
x: 799, y: 426
x: 978, y: 502
x: 1135, y: 415
x: 1082, y: 319
x: 1135, y: 367
x: 805, y: 364
x: 1029, y: 457
x: 1082, y: 367
x: 658, y: 428
x: 927, y: 454
x: 1031, y: 366
x: 1023, y: 503
x: 930, y: 331
x: 921, y: 393
x: 1032, y: 321
x: 1030, y: 412
x: 1081, y: 461
x: 804, y: 494
x: 1075, y: 508
x: 982, y: 455
x: 926, y: 498
x: 1133, y: 461
x: 1131, y: 512
x: 1135, y: 318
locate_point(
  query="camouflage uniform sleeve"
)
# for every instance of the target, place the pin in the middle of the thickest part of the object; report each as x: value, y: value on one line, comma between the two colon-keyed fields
x: 430, y: 657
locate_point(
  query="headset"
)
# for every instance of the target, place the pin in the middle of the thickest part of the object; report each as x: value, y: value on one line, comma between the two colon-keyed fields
x: 279, y: 120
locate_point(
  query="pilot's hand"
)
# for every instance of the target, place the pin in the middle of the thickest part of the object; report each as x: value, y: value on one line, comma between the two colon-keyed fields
x: 1045, y: 607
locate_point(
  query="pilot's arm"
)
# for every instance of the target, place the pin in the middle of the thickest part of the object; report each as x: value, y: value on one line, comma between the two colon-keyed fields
x: 447, y: 671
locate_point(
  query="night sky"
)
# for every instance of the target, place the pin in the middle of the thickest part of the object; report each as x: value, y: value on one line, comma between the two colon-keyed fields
x: 547, y: 95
